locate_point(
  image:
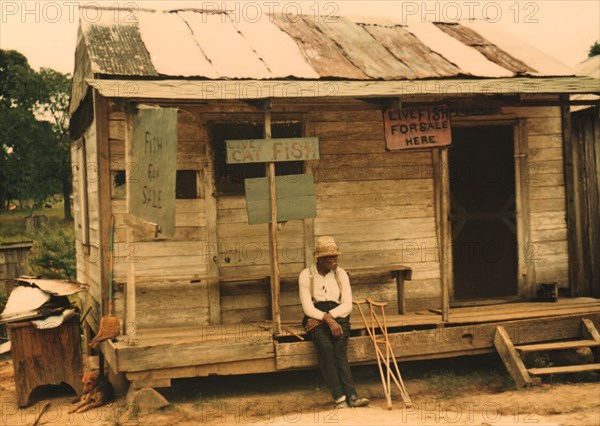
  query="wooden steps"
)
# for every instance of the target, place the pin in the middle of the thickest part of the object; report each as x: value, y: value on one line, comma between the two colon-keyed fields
x: 573, y: 344
x: 564, y: 369
x: 511, y: 354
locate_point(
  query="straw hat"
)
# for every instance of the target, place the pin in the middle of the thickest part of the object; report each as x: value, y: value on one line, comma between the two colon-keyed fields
x: 326, y: 246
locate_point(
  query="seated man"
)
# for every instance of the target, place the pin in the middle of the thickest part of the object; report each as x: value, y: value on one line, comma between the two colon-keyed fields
x: 327, y: 302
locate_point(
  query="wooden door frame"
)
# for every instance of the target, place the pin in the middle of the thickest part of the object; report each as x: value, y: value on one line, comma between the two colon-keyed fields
x: 525, y: 249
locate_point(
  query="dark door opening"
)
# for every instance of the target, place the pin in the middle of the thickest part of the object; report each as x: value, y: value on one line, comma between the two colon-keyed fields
x: 483, y: 219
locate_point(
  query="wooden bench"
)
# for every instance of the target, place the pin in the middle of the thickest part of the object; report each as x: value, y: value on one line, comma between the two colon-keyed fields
x: 400, y: 273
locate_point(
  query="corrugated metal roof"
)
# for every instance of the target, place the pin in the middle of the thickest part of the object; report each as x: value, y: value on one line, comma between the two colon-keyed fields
x: 196, y: 43
x: 116, y: 49
x: 590, y: 68
x: 470, y: 37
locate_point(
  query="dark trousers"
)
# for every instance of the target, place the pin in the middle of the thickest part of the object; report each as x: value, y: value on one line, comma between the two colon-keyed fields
x: 333, y: 358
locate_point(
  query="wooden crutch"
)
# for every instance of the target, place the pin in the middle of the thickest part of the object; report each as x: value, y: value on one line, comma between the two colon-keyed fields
x: 371, y: 332
x: 389, y: 351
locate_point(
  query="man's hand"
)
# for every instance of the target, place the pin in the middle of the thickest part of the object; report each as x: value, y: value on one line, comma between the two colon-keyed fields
x: 311, y: 324
x: 334, y: 327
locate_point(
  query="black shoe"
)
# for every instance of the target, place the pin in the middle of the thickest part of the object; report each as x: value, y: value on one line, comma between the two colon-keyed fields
x: 354, y: 401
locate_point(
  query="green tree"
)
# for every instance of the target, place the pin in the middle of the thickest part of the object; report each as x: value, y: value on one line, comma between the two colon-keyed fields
x: 54, y: 106
x: 34, y: 143
x: 54, y: 254
x: 594, y: 49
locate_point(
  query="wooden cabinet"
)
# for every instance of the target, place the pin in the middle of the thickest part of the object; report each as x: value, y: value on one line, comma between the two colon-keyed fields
x: 45, y: 356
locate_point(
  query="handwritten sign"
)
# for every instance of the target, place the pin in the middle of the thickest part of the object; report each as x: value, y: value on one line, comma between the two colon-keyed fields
x: 272, y: 150
x: 414, y: 128
x: 296, y: 198
x: 153, y: 150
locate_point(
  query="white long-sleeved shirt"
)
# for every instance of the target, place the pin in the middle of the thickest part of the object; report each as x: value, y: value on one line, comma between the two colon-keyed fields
x: 326, y: 289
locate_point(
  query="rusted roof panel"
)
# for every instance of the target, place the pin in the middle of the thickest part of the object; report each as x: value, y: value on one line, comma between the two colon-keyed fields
x: 411, y: 51
x: 365, y: 51
x: 118, y: 49
x: 322, y: 53
x: 470, y: 37
x: 466, y: 58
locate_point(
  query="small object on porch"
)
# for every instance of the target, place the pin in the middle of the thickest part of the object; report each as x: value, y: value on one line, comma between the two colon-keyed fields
x: 389, y: 358
x: 110, y: 326
x: 547, y: 292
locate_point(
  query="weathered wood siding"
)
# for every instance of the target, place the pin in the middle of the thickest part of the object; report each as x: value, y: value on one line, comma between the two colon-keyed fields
x: 88, y: 256
x: 377, y: 205
x: 244, y: 250
x: 171, y: 288
x: 548, y: 249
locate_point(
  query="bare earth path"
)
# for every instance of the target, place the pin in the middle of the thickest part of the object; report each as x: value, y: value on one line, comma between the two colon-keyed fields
x: 458, y: 398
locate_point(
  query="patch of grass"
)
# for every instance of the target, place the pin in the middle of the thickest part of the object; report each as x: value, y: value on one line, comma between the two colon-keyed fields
x: 53, y: 253
x: 12, y: 223
x: 542, y: 361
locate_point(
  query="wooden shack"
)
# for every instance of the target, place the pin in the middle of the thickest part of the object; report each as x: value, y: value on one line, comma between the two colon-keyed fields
x: 13, y: 260
x: 482, y: 221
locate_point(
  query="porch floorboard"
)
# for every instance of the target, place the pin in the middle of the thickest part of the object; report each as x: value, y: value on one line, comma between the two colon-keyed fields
x: 229, y: 348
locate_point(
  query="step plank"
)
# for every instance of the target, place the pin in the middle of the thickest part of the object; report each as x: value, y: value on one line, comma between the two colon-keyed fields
x: 564, y: 369
x: 573, y: 344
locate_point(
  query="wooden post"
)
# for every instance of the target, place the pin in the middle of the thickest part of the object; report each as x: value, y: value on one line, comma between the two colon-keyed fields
x: 573, y: 198
x: 212, y: 241
x: 130, y: 322
x: 441, y: 188
x: 446, y: 235
x: 104, y: 183
x: 275, y: 284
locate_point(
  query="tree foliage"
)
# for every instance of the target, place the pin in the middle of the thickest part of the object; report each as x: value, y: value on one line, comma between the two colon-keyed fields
x: 54, y: 254
x: 594, y: 49
x: 34, y: 143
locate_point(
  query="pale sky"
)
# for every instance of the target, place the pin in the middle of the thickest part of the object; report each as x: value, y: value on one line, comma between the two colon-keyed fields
x: 45, y: 31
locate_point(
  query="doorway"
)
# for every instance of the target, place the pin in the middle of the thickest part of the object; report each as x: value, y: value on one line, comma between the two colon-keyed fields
x: 483, y: 213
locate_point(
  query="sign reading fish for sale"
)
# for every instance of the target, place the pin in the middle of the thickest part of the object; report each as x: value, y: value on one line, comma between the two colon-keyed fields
x: 417, y: 127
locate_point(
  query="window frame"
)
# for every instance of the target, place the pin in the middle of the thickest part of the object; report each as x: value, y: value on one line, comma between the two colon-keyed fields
x: 219, y: 154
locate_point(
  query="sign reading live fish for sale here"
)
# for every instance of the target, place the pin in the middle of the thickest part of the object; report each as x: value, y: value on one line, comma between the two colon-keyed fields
x: 417, y: 127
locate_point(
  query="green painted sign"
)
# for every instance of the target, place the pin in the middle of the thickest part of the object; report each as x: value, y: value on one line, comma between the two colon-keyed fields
x: 153, y: 152
x: 296, y: 198
x: 272, y: 150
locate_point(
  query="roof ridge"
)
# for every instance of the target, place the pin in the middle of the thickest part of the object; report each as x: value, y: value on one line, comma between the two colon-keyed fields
x: 112, y: 8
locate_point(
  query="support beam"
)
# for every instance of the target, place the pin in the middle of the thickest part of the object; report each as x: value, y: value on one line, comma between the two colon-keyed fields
x: 589, y: 331
x: 511, y: 358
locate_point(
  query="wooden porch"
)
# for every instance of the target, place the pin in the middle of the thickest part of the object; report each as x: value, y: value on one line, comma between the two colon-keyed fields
x: 161, y: 354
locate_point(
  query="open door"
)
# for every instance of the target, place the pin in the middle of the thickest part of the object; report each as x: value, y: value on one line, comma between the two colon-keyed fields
x: 483, y: 213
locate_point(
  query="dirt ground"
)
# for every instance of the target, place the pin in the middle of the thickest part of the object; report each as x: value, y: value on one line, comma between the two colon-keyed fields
x: 473, y: 391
